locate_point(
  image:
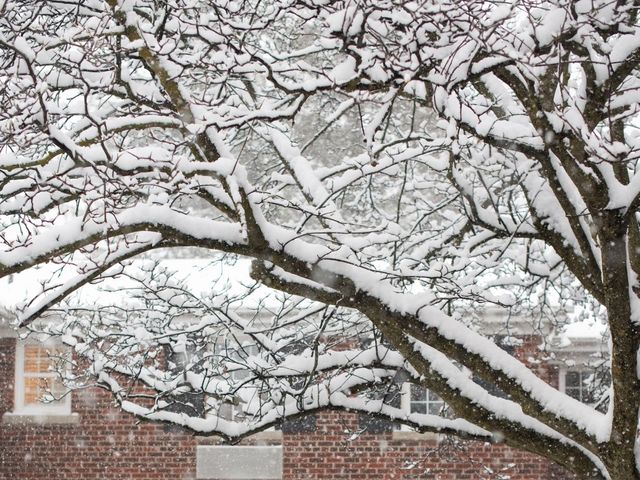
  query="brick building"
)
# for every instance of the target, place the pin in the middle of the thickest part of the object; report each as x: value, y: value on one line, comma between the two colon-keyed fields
x: 86, y: 437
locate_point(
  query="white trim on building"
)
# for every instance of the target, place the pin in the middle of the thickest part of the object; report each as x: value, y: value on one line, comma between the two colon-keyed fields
x: 239, y: 462
x: 56, y: 412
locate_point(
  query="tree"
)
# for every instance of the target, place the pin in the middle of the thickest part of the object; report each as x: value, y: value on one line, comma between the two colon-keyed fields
x: 397, y: 164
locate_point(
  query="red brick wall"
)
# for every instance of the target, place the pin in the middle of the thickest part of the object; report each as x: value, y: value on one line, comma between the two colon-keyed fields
x: 7, y: 369
x: 108, y: 445
x: 529, y: 353
x: 105, y: 444
x: 330, y: 453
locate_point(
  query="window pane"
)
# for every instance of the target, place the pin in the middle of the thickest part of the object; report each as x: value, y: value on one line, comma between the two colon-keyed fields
x: 577, y: 385
x: 35, y: 359
x: 418, y: 394
x: 423, y: 400
x: 572, y: 379
x: 33, y: 390
x: 585, y: 379
x: 573, y: 392
x: 433, y: 397
x: 39, y: 378
x: 588, y: 397
x: 435, y: 408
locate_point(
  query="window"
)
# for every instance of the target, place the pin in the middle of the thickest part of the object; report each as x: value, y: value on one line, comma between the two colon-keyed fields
x: 588, y: 385
x: 234, y: 360
x: 239, y: 365
x: 237, y: 361
x: 577, y: 384
x: 423, y: 400
x: 418, y: 399
x: 191, y: 403
x: 38, y: 385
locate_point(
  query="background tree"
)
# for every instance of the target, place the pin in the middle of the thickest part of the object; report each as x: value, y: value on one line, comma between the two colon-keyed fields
x: 303, y: 135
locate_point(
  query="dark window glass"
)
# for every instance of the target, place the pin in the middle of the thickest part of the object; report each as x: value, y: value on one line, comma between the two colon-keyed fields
x: 577, y: 384
x: 424, y: 400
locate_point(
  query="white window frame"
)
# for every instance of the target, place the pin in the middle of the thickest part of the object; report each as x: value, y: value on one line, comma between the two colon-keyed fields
x: 562, y: 380
x: 60, y: 407
x: 405, y: 432
x: 409, y: 401
x: 405, y: 398
x: 405, y: 406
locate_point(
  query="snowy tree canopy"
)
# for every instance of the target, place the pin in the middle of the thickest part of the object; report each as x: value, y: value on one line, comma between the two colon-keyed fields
x: 390, y: 168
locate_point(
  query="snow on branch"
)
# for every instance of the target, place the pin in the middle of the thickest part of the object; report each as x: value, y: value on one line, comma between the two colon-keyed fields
x: 412, y: 182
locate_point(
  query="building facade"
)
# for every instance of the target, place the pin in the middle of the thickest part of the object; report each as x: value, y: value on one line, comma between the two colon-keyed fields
x: 84, y: 437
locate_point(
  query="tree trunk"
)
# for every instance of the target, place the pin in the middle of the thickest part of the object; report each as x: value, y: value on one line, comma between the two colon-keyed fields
x: 619, y: 454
